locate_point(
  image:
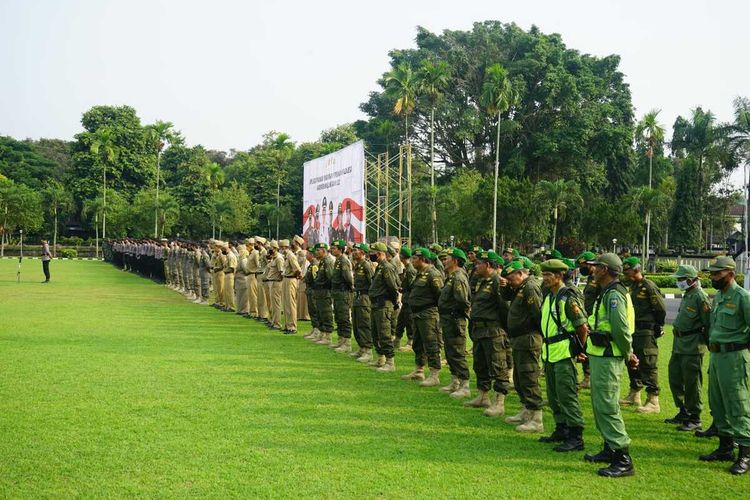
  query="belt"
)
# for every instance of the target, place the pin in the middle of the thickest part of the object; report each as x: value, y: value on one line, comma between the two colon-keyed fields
x: 678, y: 333
x: 556, y: 338
x: 292, y: 276
x: 419, y: 309
x: 481, y: 323
x: 644, y: 325
x: 728, y: 347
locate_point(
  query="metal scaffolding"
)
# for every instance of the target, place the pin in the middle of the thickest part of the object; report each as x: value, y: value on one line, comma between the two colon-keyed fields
x: 388, y: 213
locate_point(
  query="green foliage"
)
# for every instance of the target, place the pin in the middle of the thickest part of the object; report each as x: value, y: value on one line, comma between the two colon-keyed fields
x: 20, y: 208
x: 68, y: 253
x: 20, y: 162
x: 666, y: 265
x: 686, y: 217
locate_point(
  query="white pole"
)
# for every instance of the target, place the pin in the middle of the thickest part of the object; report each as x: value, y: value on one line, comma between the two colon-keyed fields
x: 747, y: 253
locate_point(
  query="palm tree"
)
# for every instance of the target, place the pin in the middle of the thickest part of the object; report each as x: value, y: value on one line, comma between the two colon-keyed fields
x: 497, y: 97
x: 214, y: 176
x: 160, y: 134
x: 92, y: 208
x: 282, y: 148
x: 560, y: 194
x: 168, y: 209
x: 652, y: 133
x: 401, y: 85
x: 432, y: 79
x: 103, y: 147
x: 649, y: 202
x: 58, y: 199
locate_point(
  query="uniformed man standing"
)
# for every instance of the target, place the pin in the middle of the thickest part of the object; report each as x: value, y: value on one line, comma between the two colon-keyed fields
x: 230, y: 266
x: 564, y: 327
x: 403, y: 320
x: 292, y: 273
x: 253, y: 268
x: 322, y: 293
x: 362, y: 314
x: 342, y: 292
x: 383, y: 293
x: 650, y: 313
x: 608, y: 345
x: 454, y: 305
x: 218, y: 277
x: 729, y: 366
x: 423, y: 301
x: 298, y: 246
x: 263, y: 299
x: 524, y: 320
x: 274, y: 276
x: 436, y: 250
x: 240, y: 281
x: 690, y: 331
x: 310, y: 272
x: 590, y: 293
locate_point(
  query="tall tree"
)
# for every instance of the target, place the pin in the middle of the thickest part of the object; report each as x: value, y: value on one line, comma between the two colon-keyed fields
x: 160, y: 134
x: 103, y: 147
x: 214, y: 175
x: 560, y: 195
x: 58, y: 201
x: 652, y: 133
x: 401, y: 86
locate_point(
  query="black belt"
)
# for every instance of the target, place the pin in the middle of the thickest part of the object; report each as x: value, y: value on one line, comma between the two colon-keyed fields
x: 556, y: 338
x: 644, y: 325
x: 485, y: 324
x: 728, y: 347
x: 419, y: 309
x: 292, y: 276
x: 678, y: 333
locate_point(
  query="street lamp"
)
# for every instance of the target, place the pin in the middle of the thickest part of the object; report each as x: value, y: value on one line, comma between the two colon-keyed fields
x: 614, y: 245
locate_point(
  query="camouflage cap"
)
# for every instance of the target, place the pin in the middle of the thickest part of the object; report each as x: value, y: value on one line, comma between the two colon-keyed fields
x: 631, y: 263
x: 685, y: 271
x: 722, y: 263
x: 364, y: 247
x: 611, y: 260
x: 554, y: 266
x: 378, y: 246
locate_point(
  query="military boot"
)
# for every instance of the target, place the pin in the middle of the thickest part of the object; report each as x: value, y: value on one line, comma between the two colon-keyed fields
x: 742, y: 464
x: 462, y: 391
x: 519, y: 418
x: 498, y: 406
x: 388, y: 366
x: 406, y: 347
x: 604, y: 456
x: 573, y: 440
x: 651, y: 406
x: 481, y: 401
x: 356, y: 354
x: 559, y: 435
x: 316, y: 335
x: 345, y: 345
x: 335, y: 344
x: 366, y: 356
x: 633, y: 398
x: 310, y: 334
x: 325, y: 338
x: 724, y: 453
x: 450, y: 387
x: 690, y: 425
x: 681, y: 417
x: 533, y: 424
x: 712, y: 431
x: 433, y: 380
x: 377, y: 362
x: 621, y: 466
x: 416, y: 374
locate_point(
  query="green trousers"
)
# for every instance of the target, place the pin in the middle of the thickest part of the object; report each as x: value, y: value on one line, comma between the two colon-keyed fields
x: 324, y: 306
x: 605, y: 400
x: 686, y: 382
x: 454, y: 335
x: 426, y: 325
x: 382, y: 336
x: 403, y: 323
x: 489, y: 354
x: 311, y: 308
x: 647, y: 373
x: 729, y: 395
x: 562, y: 392
x: 342, y: 308
x: 362, y: 321
x: 526, y: 351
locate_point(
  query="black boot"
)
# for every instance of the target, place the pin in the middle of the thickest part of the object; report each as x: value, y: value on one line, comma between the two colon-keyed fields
x: 692, y: 424
x: 621, y: 466
x: 724, y: 453
x: 679, y: 418
x: 742, y: 464
x: 558, y: 436
x: 712, y: 431
x: 604, y: 456
x: 573, y: 442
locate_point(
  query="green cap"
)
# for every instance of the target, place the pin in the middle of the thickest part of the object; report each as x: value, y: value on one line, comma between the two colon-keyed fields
x: 524, y: 261
x: 556, y: 254
x: 476, y: 249
x: 554, y: 266
x: 378, y: 246
x: 570, y: 263
x: 457, y: 253
x: 722, y: 263
x: 611, y: 260
x: 495, y: 258
x: 631, y: 263
x: 512, y: 267
x: 320, y: 245
x: 363, y: 247
x: 436, y: 248
x: 406, y: 251
x: 685, y: 271
x: 586, y: 257
x: 515, y: 253
x: 422, y: 252
x: 339, y: 243
x: 484, y: 255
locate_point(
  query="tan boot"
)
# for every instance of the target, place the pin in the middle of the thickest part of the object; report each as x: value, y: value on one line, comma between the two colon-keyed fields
x: 356, y: 354
x: 651, y: 406
x: 533, y: 424
x: 310, y: 334
x: 406, y: 347
x: 388, y: 366
x: 377, y: 362
x: 519, y: 418
x: 366, y: 356
x: 416, y: 374
x: 325, y: 338
x: 335, y: 344
x: 462, y: 391
x: 633, y: 398
x: 481, y: 401
x: 433, y: 380
x: 345, y: 345
x: 498, y: 406
x: 450, y: 387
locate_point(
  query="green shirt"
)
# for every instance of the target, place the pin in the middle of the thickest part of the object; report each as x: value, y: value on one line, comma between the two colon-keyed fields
x: 525, y: 314
x: 612, y: 308
x: 312, y: 271
x: 455, y: 296
x: 362, y: 276
x: 324, y: 274
x: 407, y: 280
x: 426, y: 288
x: 341, y: 277
x: 590, y: 293
x: 487, y: 302
x: 648, y: 303
x: 384, y: 282
x: 693, y: 317
x: 730, y: 316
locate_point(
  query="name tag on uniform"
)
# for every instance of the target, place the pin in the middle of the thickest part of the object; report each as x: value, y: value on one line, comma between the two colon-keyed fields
x: 730, y: 305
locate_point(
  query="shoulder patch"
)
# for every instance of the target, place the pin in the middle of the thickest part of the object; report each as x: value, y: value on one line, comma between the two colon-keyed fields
x: 614, y: 302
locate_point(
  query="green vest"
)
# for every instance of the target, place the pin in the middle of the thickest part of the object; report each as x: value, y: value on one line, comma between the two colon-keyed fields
x: 556, y: 328
x: 599, y: 322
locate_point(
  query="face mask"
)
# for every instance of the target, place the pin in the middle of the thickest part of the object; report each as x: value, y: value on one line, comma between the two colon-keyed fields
x: 626, y: 281
x: 374, y: 257
x: 585, y: 271
x: 718, y: 284
x: 683, y: 285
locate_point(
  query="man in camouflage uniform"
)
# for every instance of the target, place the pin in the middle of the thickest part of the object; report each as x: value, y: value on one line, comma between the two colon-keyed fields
x: 454, y: 305
x: 383, y: 293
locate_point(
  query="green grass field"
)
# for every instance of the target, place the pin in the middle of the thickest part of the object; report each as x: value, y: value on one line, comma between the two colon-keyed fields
x: 112, y: 385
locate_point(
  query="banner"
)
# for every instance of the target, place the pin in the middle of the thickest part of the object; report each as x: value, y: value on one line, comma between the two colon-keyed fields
x: 334, y: 196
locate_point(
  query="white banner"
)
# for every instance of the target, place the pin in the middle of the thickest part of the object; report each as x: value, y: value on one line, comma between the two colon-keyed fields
x: 334, y: 196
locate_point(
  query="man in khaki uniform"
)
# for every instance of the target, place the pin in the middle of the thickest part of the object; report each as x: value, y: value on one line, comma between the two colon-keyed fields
x: 217, y: 263
x: 263, y: 302
x: 292, y: 274
x: 253, y: 267
x: 274, y: 276
x: 298, y: 245
x: 240, y: 281
x: 230, y: 266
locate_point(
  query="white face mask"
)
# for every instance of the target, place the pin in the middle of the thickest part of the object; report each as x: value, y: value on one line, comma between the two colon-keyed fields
x: 683, y: 285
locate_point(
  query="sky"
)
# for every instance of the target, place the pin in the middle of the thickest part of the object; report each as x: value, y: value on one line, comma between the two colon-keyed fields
x: 226, y: 72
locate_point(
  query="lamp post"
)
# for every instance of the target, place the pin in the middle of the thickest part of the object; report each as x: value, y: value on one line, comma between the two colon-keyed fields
x: 614, y: 245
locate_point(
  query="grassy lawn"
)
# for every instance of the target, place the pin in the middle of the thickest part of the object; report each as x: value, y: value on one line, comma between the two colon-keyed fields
x: 112, y: 385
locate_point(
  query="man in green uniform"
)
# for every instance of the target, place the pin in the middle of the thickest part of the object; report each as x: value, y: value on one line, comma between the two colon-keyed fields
x: 489, y: 326
x: 454, y: 305
x: 471, y: 255
x: 322, y: 293
x: 690, y: 330
x: 403, y: 322
x: 435, y: 249
x: 650, y: 313
x: 564, y: 326
x: 310, y: 274
x: 362, y: 305
x: 608, y: 345
x: 342, y: 290
x: 383, y: 292
x: 590, y: 293
x: 524, y: 320
x: 425, y: 319
x: 729, y: 366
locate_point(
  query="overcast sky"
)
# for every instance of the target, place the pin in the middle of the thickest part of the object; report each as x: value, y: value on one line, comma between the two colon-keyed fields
x: 226, y: 72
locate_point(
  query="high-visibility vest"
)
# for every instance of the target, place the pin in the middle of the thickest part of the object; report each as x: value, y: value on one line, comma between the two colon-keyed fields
x: 599, y: 322
x: 556, y: 329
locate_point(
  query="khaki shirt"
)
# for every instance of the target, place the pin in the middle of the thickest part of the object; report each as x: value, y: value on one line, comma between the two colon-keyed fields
x: 291, y: 265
